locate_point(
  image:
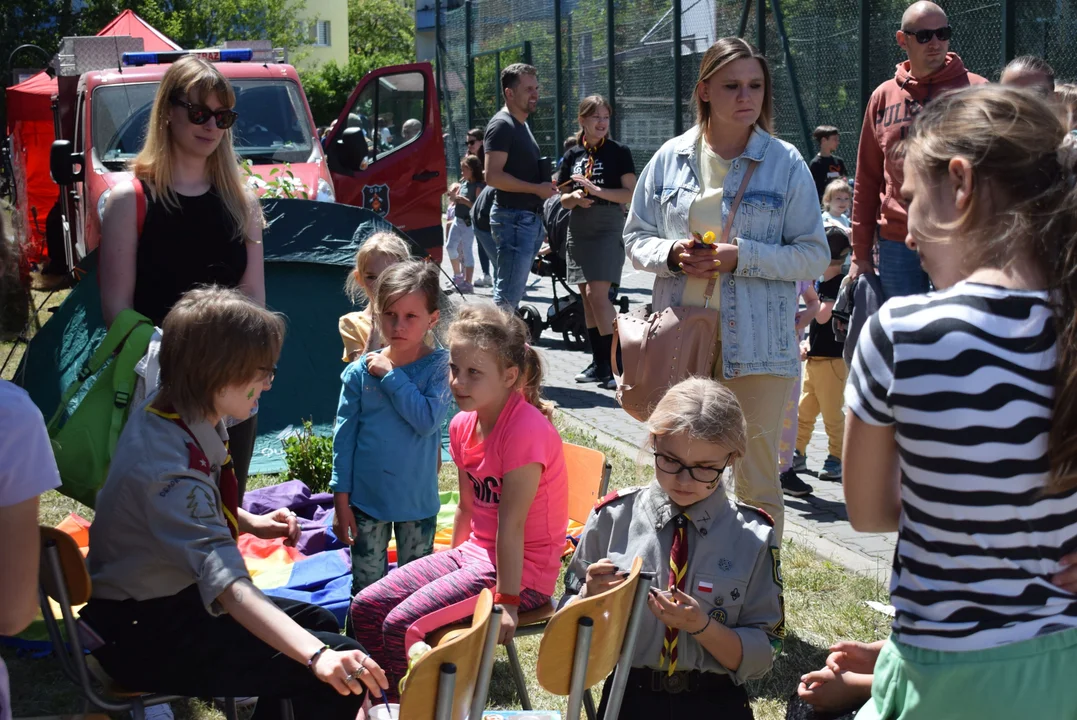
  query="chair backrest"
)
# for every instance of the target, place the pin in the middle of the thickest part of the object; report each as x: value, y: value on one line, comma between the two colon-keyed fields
x: 588, y: 476
x: 610, y: 611
x: 419, y: 699
x: 72, y: 567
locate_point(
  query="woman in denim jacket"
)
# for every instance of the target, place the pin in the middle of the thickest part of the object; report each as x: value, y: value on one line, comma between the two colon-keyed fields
x: 776, y: 239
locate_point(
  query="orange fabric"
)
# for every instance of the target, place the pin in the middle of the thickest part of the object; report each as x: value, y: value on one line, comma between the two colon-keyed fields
x: 35, y: 191
x: 78, y: 528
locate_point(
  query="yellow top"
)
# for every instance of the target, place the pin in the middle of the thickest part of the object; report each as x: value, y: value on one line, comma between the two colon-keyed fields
x: 355, y: 331
x: 706, y: 214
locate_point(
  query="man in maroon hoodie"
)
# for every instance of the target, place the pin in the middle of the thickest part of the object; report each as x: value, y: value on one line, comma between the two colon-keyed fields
x: 878, y: 211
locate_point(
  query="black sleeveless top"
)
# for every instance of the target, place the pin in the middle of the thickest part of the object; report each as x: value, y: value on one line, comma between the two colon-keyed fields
x: 180, y: 250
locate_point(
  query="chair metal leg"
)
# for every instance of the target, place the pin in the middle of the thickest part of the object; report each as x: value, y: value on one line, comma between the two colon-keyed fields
x: 486, y: 664
x: 446, y: 688
x: 579, y: 668
x: 230, y: 708
x: 138, y: 710
x: 589, y: 705
x: 286, y: 711
x: 518, y: 675
x: 628, y: 647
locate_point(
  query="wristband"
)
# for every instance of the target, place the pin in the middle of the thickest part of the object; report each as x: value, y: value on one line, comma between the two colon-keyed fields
x: 697, y: 632
x: 503, y: 599
x: 317, y: 654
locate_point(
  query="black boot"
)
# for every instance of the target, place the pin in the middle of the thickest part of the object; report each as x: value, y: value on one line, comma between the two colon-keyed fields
x: 603, y: 370
x: 588, y: 373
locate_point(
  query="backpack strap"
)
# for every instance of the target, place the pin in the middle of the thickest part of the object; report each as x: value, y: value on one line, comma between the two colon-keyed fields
x: 122, y: 327
x: 123, y: 382
x: 140, y: 204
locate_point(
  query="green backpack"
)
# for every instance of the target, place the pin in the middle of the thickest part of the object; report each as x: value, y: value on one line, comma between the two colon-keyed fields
x: 85, y: 439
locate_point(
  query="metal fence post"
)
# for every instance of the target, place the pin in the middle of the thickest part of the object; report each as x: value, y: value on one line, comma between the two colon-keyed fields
x: 1009, y: 31
x: 678, y: 110
x: 798, y: 101
x: 865, y: 55
x: 558, y: 76
x: 743, y: 26
x: 761, y: 26
x: 611, y: 46
x: 470, y: 64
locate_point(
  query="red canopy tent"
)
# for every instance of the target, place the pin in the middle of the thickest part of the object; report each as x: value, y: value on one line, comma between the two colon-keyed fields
x: 30, y: 124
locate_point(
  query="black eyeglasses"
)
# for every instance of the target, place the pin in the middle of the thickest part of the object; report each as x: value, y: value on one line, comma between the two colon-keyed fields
x: 924, y: 36
x: 271, y: 374
x: 200, y: 114
x: 699, y: 473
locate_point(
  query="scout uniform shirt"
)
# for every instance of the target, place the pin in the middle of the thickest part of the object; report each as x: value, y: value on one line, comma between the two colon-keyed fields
x: 160, y: 526
x: 733, y: 572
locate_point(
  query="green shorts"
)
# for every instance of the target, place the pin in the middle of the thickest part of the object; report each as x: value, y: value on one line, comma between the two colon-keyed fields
x: 1032, y: 679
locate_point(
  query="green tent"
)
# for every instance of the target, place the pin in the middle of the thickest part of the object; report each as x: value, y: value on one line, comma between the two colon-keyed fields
x: 309, y: 249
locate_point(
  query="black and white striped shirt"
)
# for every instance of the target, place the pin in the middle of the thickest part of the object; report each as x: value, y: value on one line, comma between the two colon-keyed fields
x: 966, y: 377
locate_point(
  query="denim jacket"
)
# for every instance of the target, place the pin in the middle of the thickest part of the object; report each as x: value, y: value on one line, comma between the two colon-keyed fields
x: 777, y: 228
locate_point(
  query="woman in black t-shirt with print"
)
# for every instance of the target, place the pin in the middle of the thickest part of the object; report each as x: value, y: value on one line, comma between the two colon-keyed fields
x: 596, y: 178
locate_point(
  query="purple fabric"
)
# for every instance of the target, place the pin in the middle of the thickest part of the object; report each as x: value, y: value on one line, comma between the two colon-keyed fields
x: 315, y: 512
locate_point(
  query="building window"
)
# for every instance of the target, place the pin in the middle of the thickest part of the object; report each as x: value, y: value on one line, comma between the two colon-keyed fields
x: 319, y: 33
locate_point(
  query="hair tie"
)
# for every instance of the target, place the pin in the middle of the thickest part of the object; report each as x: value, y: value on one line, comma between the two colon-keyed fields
x: 527, y: 347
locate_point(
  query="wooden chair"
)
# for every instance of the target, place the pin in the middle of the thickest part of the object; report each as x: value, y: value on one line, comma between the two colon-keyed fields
x: 599, y: 634
x: 588, y: 478
x: 64, y: 578
x: 452, y: 680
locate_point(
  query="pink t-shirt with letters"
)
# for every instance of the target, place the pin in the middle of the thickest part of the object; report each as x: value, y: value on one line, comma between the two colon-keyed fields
x: 521, y: 436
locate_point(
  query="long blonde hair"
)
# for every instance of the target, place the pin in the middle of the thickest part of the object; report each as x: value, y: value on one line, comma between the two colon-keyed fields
x: 191, y: 75
x: 1024, y: 164
x: 720, y: 54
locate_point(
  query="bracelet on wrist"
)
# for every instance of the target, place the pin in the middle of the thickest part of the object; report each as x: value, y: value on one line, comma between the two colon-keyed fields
x: 505, y: 599
x: 697, y: 632
x: 313, y: 658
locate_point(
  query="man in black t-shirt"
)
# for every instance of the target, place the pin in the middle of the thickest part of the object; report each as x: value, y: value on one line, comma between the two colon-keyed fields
x: 514, y: 169
x: 826, y: 166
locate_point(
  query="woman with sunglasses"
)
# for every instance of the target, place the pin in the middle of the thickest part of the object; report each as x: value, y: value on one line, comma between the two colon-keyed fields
x: 487, y: 248
x: 716, y: 614
x: 201, y: 225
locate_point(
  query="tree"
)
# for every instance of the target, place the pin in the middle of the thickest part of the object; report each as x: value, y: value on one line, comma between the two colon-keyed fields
x: 329, y: 86
x: 381, y: 27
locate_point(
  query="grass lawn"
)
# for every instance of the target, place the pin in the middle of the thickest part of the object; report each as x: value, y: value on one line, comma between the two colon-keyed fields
x: 824, y: 603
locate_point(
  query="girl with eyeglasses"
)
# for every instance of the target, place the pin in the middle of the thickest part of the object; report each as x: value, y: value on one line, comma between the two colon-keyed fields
x: 186, y: 219
x: 716, y: 614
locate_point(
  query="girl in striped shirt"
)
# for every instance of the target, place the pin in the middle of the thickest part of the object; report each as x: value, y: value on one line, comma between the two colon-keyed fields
x: 963, y: 414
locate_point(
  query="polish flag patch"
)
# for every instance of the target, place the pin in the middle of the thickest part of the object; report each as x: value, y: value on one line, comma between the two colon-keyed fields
x: 705, y: 587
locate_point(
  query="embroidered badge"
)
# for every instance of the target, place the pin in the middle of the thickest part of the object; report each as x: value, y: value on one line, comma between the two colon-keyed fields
x: 201, y: 505
x: 724, y: 565
x: 735, y: 594
x: 196, y: 459
x: 719, y: 615
x: 704, y: 587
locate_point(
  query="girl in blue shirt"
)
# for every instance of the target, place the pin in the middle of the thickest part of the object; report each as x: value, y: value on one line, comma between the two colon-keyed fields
x: 385, y: 445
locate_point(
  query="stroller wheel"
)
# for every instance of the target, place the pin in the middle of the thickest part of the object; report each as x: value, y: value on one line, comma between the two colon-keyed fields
x: 530, y: 315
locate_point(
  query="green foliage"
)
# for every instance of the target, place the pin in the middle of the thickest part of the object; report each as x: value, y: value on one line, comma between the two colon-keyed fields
x: 310, y: 458
x: 281, y: 184
x: 381, y: 27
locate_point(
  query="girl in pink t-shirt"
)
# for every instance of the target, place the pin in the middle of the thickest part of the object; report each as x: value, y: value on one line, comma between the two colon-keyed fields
x: 513, y: 513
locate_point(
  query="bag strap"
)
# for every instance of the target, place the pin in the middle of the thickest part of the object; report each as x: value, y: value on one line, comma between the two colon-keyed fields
x: 140, y: 205
x: 122, y: 327
x: 729, y: 219
x: 123, y: 385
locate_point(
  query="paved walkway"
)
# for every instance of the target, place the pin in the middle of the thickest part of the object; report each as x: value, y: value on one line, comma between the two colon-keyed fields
x: 818, y: 520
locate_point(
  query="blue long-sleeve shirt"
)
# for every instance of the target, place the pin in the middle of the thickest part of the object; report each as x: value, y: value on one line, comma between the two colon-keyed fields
x: 385, y: 443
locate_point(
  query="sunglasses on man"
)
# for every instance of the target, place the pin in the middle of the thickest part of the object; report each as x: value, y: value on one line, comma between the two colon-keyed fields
x: 200, y: 114
x: 924, y: 36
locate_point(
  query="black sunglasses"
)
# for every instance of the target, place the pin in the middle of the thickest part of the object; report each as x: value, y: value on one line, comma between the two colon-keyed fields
x: 699, y: 473
x: 200, y: 115
x: 924, y: 36
x: 472, y: 142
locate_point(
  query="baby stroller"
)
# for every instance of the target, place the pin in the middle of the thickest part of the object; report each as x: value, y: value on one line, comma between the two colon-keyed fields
x: 565, y: 314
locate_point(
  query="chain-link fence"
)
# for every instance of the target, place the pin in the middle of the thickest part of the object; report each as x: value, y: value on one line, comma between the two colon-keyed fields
x: 826, y: 57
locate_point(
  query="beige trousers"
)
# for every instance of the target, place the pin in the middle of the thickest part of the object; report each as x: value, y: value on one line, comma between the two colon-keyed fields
x: 762, y: 399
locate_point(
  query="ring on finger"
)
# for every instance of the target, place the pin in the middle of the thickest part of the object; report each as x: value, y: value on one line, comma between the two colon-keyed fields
x: 359, y: 673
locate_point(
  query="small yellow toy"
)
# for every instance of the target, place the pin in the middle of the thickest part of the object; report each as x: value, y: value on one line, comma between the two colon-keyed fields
x: 706, y: 238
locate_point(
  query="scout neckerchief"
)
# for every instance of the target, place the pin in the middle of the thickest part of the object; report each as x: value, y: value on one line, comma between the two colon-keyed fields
x: 678, y: 569
x: 592, y: 154
x: 227, y: 483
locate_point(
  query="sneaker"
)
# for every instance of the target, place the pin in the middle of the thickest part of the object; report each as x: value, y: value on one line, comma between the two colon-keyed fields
x: 611, y: 384
x: 484, y: 281
x: 800, y: 462
x: 466, y: 288
x: 604, y: 377
x: 587, y: 375
x: 831, y: 469
x: 793, y: 486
